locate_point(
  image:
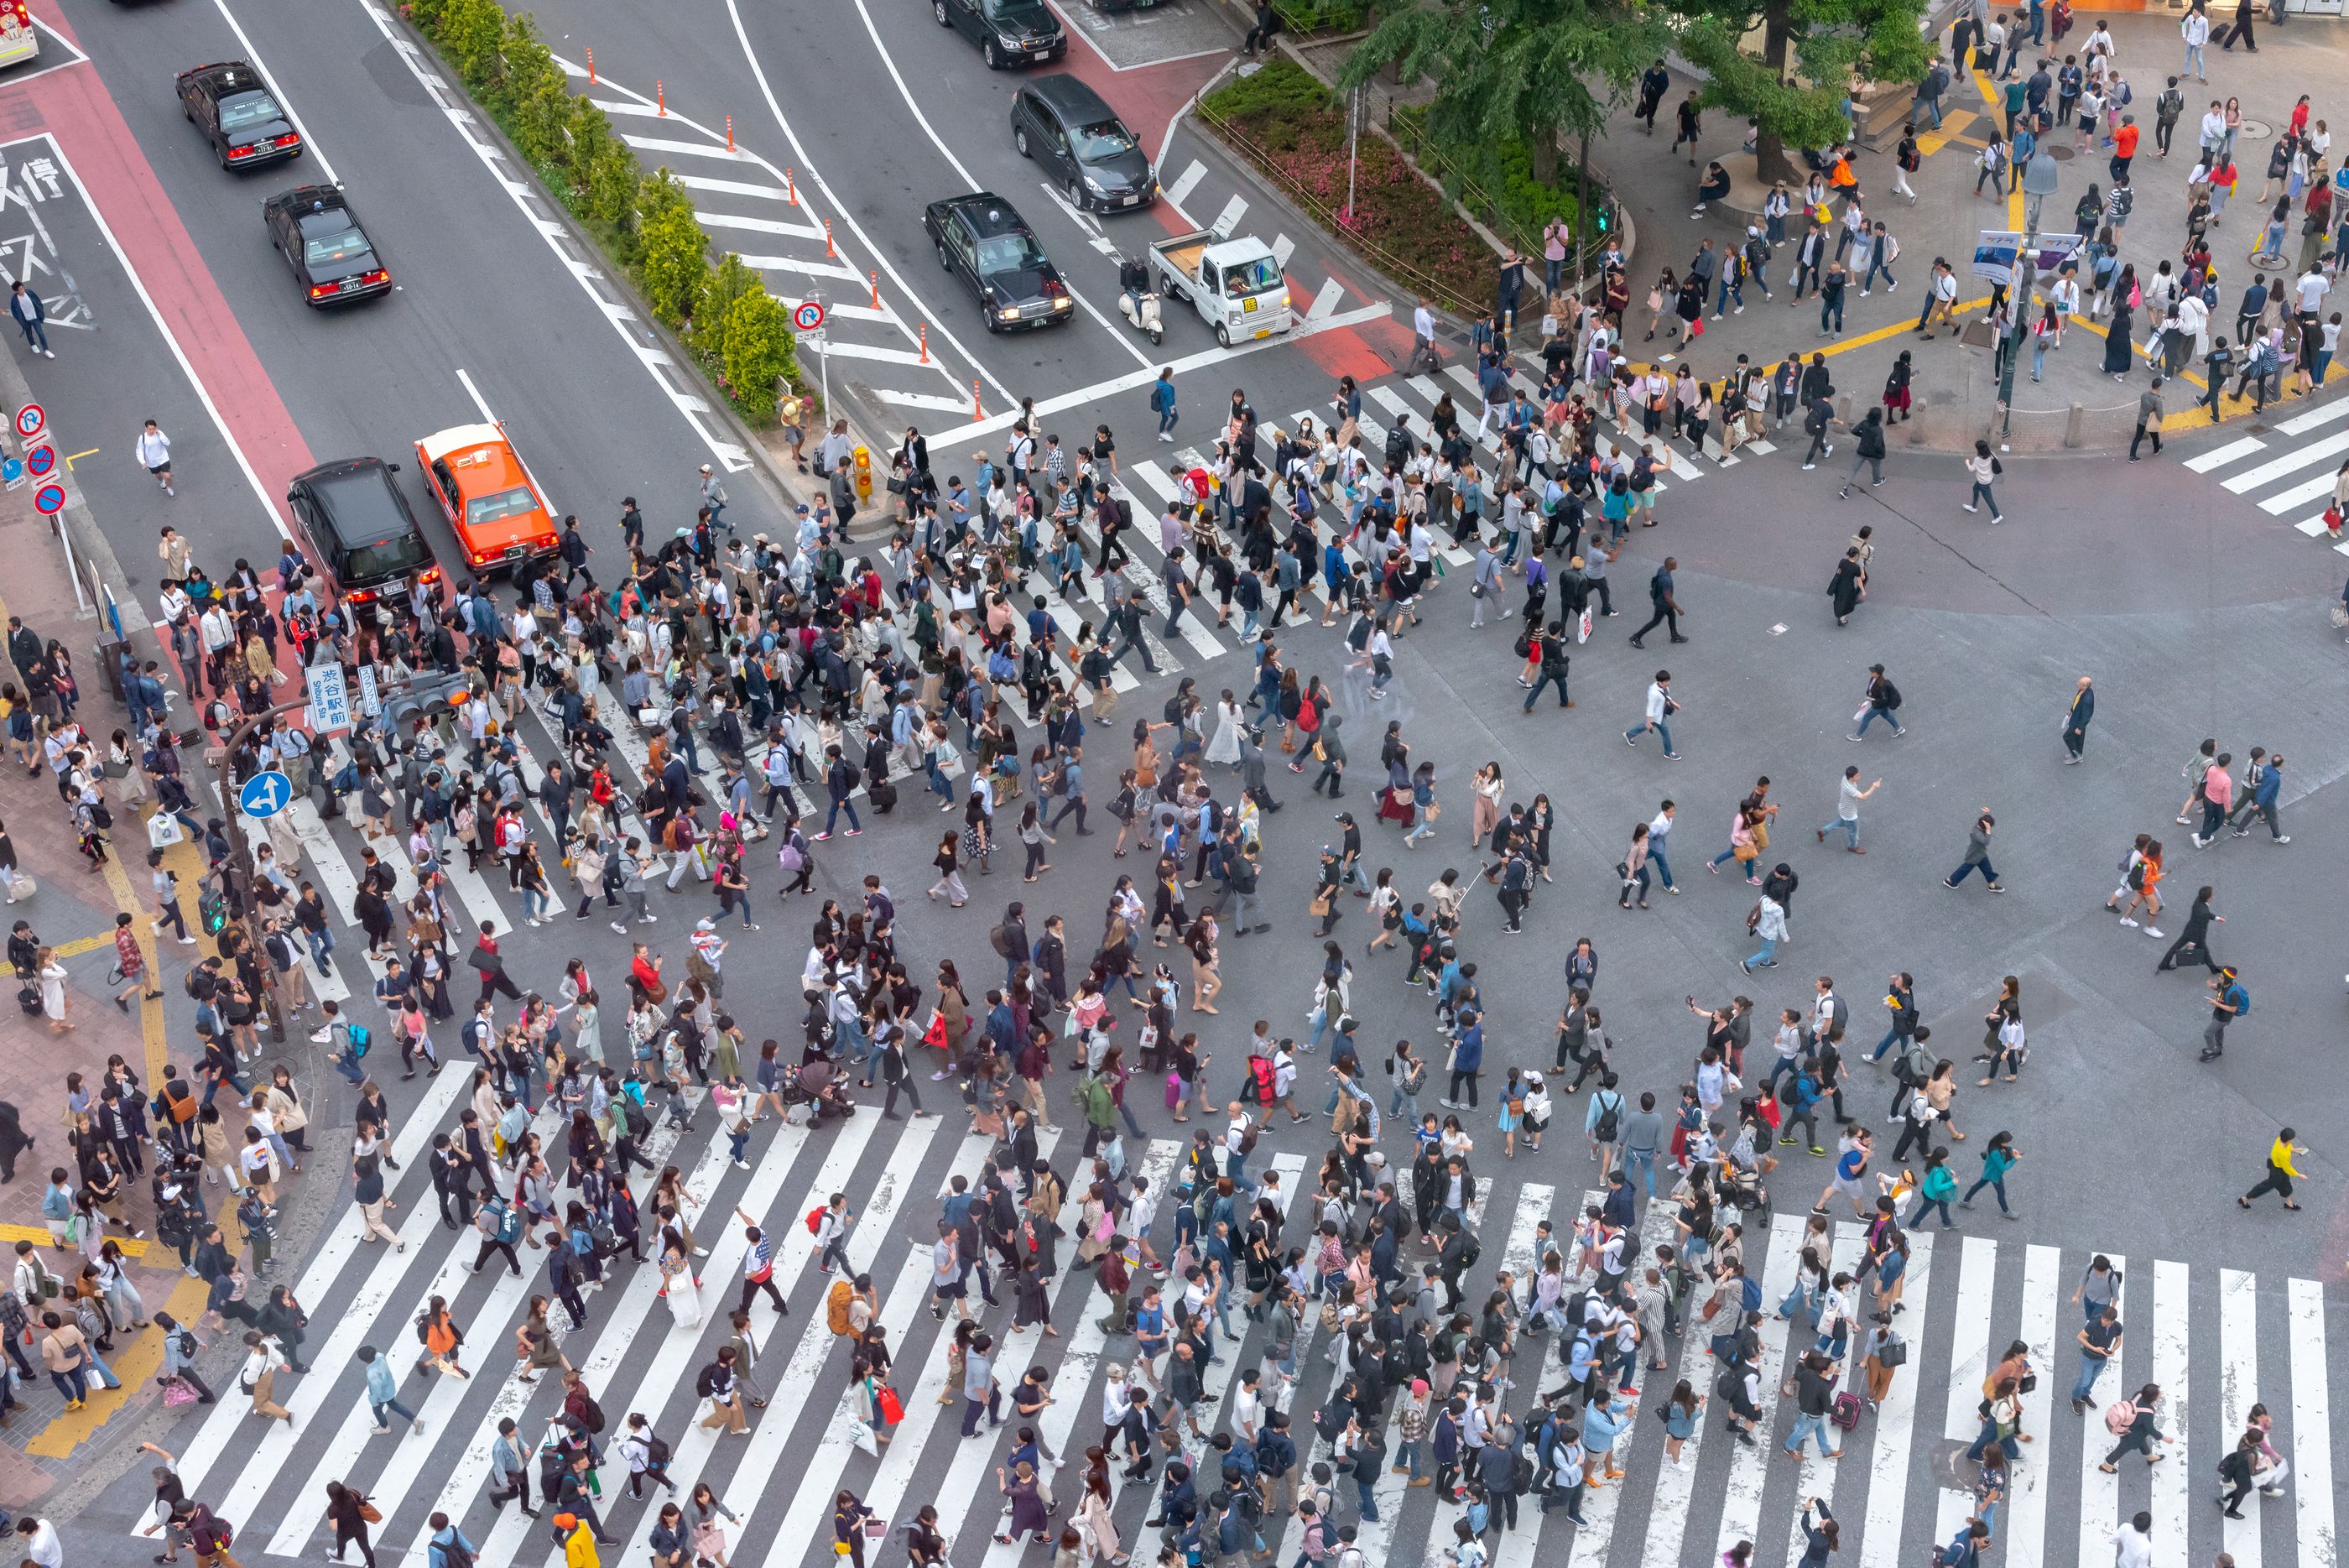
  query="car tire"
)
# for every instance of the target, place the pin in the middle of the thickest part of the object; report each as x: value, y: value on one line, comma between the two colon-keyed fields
x: 1020, y: 140
x: 1224, y: 335
x: 938, y: 9
x: 993, y: 56
x: 1076, y: 194
x: 1157, y: 336
x: 945, y: 263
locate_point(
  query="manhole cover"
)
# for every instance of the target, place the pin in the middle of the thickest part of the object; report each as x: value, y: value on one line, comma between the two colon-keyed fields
x: 2253, y: 130
x: 2061, y: 154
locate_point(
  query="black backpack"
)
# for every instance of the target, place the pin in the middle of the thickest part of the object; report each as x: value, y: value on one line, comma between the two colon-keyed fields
x: 639, y: 1120
x: 594, y: 1417
x: 657, y: 1452
x: 1892, y: 697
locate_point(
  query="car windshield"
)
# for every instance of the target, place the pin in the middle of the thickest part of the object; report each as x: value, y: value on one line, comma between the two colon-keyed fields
x: 1260, y: 276
x: 1028, y: 16
x: 248, y: 108
x: 386, y: 558
x: 497, y: 508
x: 1009, y: 252
x: 324, y: 249
x: 1106, y: 140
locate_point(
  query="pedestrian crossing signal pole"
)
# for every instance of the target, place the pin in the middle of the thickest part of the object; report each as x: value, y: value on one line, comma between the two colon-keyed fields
x: 2025, y: 279
x: 236, y: 875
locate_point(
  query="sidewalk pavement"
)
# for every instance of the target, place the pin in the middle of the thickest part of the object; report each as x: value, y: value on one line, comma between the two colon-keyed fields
x: 43, y: 1446
x: 1955, y: 387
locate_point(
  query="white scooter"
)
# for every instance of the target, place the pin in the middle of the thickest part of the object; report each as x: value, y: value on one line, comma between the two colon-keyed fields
x: 1145, y: 317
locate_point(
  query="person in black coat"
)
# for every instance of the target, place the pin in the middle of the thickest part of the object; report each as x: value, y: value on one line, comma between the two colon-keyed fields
x: 2075, y: 719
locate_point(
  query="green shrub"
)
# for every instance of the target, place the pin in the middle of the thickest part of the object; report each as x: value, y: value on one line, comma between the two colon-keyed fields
x: 1279, y: 86
x: 470, y: 33
x: 758, y: 352
x: 673, y: 265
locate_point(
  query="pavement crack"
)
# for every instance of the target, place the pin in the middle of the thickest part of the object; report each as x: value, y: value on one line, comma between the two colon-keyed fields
x: 1958, y: 554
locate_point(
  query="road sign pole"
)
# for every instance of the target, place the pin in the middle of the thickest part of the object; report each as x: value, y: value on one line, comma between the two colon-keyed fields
x: 236, y: 875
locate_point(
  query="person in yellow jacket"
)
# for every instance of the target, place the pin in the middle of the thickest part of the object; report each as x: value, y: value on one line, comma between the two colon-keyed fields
x: 2280, y: 1174
x: 578, y: 1541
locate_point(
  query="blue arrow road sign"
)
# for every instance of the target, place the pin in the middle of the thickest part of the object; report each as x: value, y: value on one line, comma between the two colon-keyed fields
x: 264, y: 794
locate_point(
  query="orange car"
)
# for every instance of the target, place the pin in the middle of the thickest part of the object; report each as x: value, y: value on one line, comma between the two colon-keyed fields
x: 488, y: 496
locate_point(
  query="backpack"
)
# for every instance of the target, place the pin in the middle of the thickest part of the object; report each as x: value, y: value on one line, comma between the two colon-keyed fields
x: 1749, y: 1294
x: 2241, y: 998
x: 816, y: 1219
x: 639, y: 1120
x: 1892, y: 697
x: 657, y: 1452
x: 706, y: 1385
x: 1604, y: 1131
x: 1261, y: 1078
x: 1248, y: 1140
x: 2119, y: 1417
x: 594, y: 1417
x: 360, y: 1039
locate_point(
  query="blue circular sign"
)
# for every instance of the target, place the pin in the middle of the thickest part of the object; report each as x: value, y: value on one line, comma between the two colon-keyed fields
x: 49, y: 500
x: 264, y: 794
x: 40, y: 460
x: 11, y: 470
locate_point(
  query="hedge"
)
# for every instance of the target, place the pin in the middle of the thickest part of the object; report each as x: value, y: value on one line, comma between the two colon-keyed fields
x: 645, y: 222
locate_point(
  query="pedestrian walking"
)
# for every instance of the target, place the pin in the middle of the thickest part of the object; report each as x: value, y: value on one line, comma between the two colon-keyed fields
x: 1984, y: 468
x: 1660, y: 707
x: 2082, y: 709
x: 2280, y: 1174
x: 1977, y: 857
x: 30, y: 313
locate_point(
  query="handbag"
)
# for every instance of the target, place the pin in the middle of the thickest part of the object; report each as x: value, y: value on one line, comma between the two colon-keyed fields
x: 1893, y: 1352
x: 369, y: 1513
x: 891, y: 1407
x: 176, y: 1393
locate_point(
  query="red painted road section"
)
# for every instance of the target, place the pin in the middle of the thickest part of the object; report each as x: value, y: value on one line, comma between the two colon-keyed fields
x: 1146, y: 96
x: 73, y: 105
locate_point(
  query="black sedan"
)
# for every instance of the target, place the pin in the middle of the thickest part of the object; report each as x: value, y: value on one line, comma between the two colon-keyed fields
x: 1008, y: 32
x: 231, y: 105
x: 319, y: 236
x: 982, y: 239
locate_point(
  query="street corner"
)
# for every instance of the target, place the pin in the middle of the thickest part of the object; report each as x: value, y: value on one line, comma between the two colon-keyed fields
x: 1145, y: 36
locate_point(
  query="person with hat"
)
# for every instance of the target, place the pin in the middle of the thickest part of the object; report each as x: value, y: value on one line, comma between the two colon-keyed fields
x: 577, y: 1541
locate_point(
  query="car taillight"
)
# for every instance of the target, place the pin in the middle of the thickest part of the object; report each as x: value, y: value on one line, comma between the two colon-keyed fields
x: 321, y: 290
x: 289, y: 139
x: 369, y: 279
x: 428, y: 575
x: 478, y: 556
x: 236, y: 153
x: 360, y: 595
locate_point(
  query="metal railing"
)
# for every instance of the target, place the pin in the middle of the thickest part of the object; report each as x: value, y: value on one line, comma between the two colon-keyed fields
x: 1410, y: 136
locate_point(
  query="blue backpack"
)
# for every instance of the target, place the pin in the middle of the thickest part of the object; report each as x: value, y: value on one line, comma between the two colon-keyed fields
x: 359, y: 1040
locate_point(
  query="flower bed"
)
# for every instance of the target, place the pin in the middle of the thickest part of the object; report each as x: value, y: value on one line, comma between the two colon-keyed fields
x: 1293, y: 130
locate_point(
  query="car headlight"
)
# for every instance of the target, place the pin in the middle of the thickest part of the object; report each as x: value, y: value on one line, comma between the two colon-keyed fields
x: 1284, y: 300
x: 1095, y: 186
x: 1062, y: 302
x: 1010, y: 313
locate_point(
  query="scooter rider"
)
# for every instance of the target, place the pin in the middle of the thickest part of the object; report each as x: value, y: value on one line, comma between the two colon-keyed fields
x: 1135, y: 279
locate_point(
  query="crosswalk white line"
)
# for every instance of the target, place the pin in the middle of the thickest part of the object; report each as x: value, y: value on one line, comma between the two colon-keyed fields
x: 754, y: 1474
x: 2312, y: 1421
x: 1154, y: 479
x: 1896, y: 1421
x: 1187, y: 182
x: 353, y: 1325
x: 1749, y: 1464
x: 1227, y: 220
x: 616, y: 1336
x: 2291, y: 462
x: 2301, y: 424
x: 693, y: 1445
x: 812, y: 1503
x: 2022, y: 1523
x: 1387, y: 398
x: 845, y: 349
x: 325, y: 1266
x: 2298, y: 496
x: 1815, y: 1474
x: 945, y: 405
x: 955, y: 1494
x: 2221, y: 456
x: 628, y: 107
x: 760, y: 226
x: 716, y: 187
x: 2239, y: 1391
x: 811, y: 269
x: 1594, y: 1542
x: 1969, y: 1364
x: 2100, y: 1494
x: 691, y: 149
x: 1327, y: 299
x: 2173, y: 1326
x: 1283, y: 247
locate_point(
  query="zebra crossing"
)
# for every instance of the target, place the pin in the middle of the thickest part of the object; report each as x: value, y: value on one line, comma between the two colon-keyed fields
x: 2217, y: 1340
x: 784, y: 232
x: 2292, y: 480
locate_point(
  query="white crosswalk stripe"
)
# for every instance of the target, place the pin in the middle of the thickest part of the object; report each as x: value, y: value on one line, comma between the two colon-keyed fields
x: 636, y: 1358
x: 2279, y: 483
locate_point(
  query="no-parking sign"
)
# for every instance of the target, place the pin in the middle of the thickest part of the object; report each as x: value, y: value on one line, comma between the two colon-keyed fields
x: 40, y: 460
x: 809, y: 317
x: 49, y: 499
x: 31, y: 420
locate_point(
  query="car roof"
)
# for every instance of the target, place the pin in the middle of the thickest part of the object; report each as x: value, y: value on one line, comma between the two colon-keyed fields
x: 361, y: 500
x: 225, y: 77
x: 989, y: 214
x: 302, y: 199
x: 1072, y: 98
x: 480, y: 458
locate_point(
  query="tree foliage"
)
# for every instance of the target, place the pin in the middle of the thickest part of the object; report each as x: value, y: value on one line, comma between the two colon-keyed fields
x: 1788, y: 65
x: 673, y: 265
x: 1512, y: 71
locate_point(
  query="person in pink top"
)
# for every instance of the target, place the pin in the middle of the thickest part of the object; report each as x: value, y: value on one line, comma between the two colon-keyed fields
x: 2218, y: 797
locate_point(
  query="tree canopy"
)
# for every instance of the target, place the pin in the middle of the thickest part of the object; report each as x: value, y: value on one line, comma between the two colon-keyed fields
x: 1792, y: 79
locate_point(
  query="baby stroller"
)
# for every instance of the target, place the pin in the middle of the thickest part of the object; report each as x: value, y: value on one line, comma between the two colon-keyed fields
x: 817, y: 1086
x: 1744, y: 1191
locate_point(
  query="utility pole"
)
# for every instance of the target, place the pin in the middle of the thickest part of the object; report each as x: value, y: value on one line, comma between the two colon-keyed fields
x: 2023, y: 280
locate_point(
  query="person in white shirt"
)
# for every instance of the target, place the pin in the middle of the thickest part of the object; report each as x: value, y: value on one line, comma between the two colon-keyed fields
x: 2132, y: 1544
x: 2196, y: 30
x: 1422, y: 327
x: 1660, y: 703
x: 153, y: 450
x: 41, y: 1542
